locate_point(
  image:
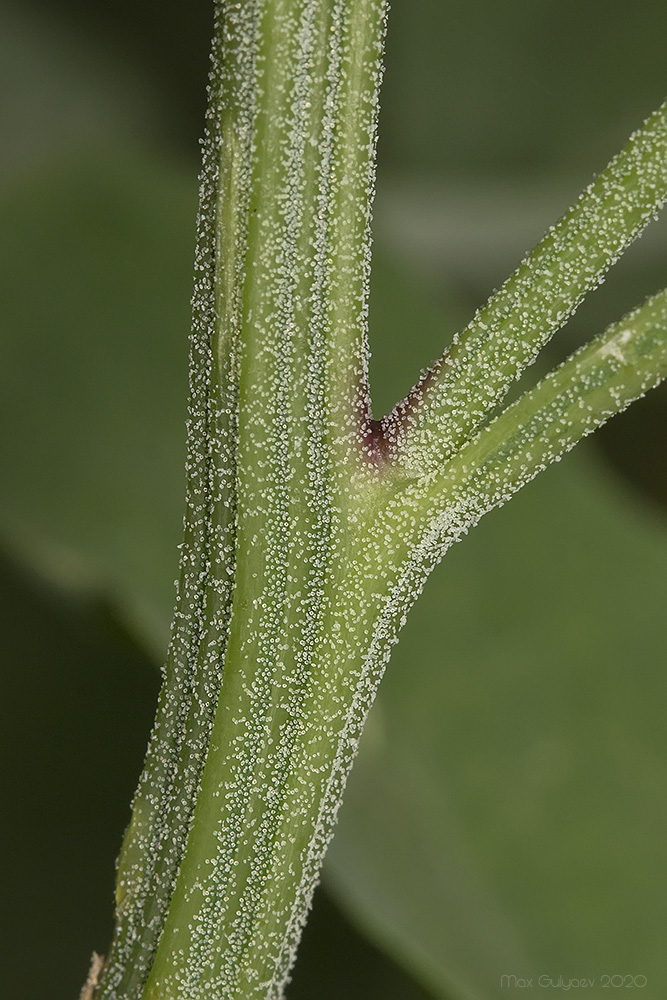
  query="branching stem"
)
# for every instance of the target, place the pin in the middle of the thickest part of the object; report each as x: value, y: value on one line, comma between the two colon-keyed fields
x: 310, y: 527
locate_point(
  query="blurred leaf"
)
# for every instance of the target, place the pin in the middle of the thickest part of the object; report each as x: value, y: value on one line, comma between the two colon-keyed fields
x: 95, y: 281
x: 507, y: 811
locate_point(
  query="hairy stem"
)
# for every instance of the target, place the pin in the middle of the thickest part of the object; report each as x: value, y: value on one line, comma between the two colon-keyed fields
x: 226, y: 839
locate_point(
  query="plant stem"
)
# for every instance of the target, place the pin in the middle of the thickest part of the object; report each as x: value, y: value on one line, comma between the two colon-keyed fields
x: 277, y: 407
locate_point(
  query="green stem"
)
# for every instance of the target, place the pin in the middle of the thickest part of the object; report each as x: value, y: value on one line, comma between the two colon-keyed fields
x: 226, y: 837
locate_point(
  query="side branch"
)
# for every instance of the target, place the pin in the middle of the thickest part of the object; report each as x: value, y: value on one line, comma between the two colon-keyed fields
x: 591, y: 386
x: 453, y: 400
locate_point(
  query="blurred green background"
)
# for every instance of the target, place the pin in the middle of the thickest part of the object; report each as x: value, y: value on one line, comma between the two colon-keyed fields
x: 507, y: 813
